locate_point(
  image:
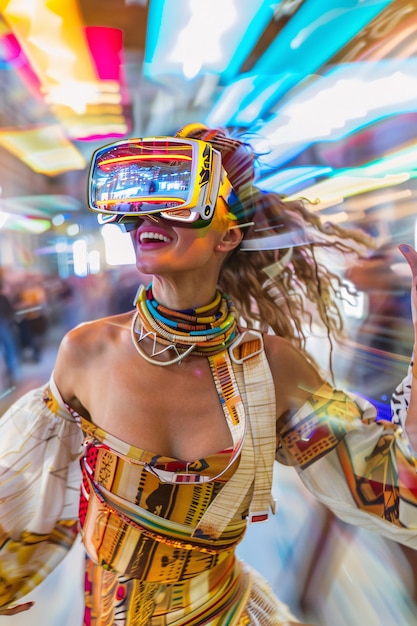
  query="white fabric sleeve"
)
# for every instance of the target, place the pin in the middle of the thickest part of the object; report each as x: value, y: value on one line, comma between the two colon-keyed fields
x: 40, y: 445
x: 362, y: 468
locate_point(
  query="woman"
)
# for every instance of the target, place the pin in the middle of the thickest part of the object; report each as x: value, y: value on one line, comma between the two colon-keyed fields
x: 181, y: 410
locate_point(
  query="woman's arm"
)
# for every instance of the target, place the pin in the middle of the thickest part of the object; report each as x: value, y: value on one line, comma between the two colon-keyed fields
x: 40, y: 476
x: 360, y: 466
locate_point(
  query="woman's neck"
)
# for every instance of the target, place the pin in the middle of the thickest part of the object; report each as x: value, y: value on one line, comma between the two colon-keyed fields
x: 185, y: 295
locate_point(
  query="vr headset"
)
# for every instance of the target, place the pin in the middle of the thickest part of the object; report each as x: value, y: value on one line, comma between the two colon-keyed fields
x: 177, y: 179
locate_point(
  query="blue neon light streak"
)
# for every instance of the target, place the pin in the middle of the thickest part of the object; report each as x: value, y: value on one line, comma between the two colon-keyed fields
x: 316, y: 32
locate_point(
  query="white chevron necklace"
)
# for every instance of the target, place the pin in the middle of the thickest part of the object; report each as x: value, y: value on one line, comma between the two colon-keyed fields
x: 139, y: 334
x: 206, y: 330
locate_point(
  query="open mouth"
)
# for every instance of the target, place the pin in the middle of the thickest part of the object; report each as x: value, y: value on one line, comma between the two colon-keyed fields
x: 153, y: 237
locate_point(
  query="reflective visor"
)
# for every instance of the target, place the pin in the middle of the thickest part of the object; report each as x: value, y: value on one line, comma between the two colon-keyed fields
x: 179, y: 178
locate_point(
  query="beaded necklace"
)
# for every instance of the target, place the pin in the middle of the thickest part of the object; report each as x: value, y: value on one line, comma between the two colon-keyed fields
x: 204, y: 331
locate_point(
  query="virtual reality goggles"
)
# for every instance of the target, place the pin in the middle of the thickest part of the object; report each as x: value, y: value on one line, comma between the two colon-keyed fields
x: 177, y: 179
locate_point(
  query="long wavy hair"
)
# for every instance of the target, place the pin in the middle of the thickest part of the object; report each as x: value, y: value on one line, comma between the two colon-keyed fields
x: 289, y: 287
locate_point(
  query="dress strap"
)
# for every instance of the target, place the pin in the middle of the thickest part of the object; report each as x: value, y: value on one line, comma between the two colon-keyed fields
x: 250, y: 368
x: 261, y: 408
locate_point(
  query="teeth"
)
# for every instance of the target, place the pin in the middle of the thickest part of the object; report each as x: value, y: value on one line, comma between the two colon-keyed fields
x: 156, y: 236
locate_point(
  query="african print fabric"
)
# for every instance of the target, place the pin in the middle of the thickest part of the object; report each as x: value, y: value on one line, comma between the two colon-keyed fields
x: 362, y: 468
x: 139, y: 528
x: 146, y: 566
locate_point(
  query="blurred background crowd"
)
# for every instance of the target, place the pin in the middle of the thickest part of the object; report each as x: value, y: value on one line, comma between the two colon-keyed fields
x: 326, y: 94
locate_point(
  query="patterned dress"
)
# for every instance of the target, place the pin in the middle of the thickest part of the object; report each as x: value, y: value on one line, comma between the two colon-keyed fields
x: 160, y: 534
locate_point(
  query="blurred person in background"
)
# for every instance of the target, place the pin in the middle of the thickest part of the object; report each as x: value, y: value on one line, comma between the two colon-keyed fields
x: 31, y: 314
x: 178, y: 409
x: 8, y: 342
x: 383, y: 335
x: 386, y: 326
x: 68, y: 305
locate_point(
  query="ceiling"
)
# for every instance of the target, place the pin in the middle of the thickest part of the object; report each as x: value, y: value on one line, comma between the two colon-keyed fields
x: 284, y: 67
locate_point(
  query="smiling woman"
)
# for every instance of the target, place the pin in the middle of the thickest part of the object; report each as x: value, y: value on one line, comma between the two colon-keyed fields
x: 166, y: 420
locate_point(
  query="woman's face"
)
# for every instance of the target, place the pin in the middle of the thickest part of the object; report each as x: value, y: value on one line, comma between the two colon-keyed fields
x: 164, y: 247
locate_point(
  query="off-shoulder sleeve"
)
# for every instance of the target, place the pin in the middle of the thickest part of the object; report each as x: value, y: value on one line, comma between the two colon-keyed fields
x: 40, y: 444
x: 362, y: 468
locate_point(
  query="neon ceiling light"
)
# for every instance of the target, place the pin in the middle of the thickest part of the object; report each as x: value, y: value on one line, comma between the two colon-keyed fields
x: 307, y: 42
x: 187, y: 37
x: 44, y: 149
x: 315, y: 32
x: 389, y: 171
x: 51, y: 34
x: 401, y: 161
x: 345, y: 186
x: 77, y: 68
x: 285, y: 180
x: 261, y: 88
x: 343, y: 101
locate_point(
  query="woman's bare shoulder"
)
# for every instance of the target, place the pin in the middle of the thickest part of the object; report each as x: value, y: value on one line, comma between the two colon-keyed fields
x: 91, y: 338
x: 86, y: 350
x: 90, y: 341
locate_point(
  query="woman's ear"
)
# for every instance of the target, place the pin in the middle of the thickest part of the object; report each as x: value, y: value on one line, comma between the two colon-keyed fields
x: 230, y: 240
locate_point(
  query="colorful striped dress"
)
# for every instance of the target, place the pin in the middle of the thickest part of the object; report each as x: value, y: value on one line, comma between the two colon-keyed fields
x: 149, y: 560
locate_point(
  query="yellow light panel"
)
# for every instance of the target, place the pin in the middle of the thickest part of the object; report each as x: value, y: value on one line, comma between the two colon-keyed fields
x: 45, y: 150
